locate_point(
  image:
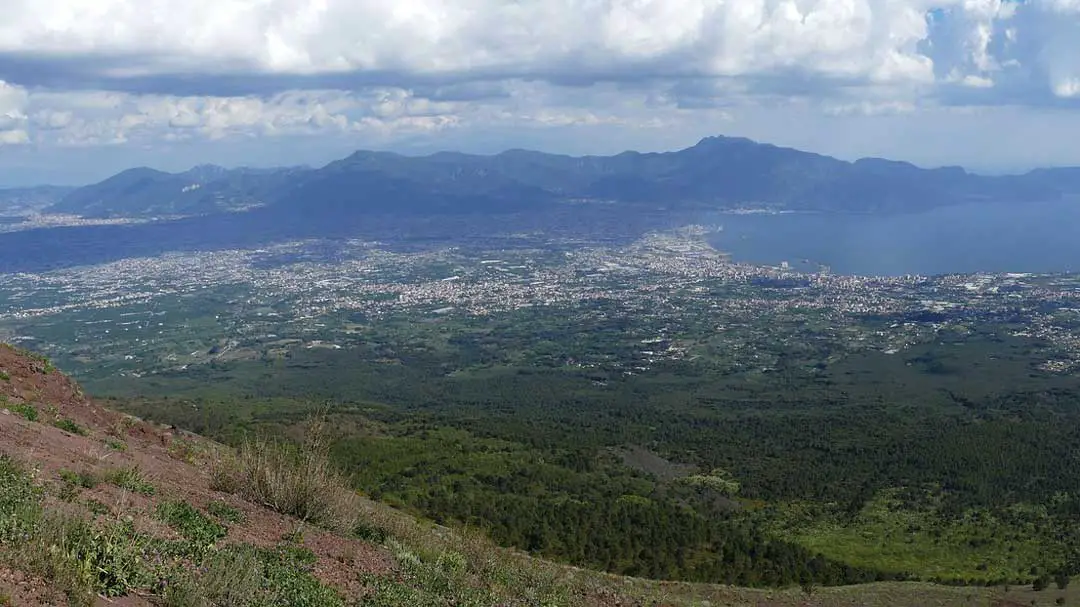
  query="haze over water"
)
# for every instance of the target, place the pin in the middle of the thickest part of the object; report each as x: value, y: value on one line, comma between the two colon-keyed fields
x: 1041, y: 237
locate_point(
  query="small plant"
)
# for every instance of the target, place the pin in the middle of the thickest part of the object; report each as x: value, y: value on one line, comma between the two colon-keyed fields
x: 27, y: 411
x: 131, y: 479
x: 5, y: 599
x: 225, y: 512
x: 294, y: 537
x: 4, y: 376
x: 369, y: 532
x: 195, y: 526
x: 116, y: 445
x: 67, y: 425
x: 97, y: 508
x: 86, y: 480
x: 183, y: 449
x: 296, y: 480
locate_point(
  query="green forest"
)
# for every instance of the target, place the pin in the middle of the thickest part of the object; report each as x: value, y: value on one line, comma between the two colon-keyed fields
x: 875, y: 468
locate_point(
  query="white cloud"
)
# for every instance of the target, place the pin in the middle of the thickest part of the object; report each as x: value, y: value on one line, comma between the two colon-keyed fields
x: 136, y: 72
x: 13, y: 102
x: 875, y: 39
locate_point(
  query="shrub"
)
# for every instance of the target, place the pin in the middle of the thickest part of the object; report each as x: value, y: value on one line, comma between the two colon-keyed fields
x: 27, y: 411
x: 225, y: 512
x: 86, y: 480
x: 295, y: 480
x: 116, y: 445
x: 196, y: 527
x: 131, y: 479
x: 96, y: 507
x: 67, y: 425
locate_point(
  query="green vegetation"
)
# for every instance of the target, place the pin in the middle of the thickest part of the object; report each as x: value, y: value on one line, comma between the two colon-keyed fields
x: 244, y: 575
x: 906, y: 531
x: 465, y: 434
x: 131, y: 479
x: 225, y: 512
x: 28, y: 411
x: 115, y: 445
x: 4, y: 375
x: 86, y: 480
x: 795, y: 434
x: 84, y: 560
x: 296, y: 480
x: 194, y: 526
x: 68, y: 425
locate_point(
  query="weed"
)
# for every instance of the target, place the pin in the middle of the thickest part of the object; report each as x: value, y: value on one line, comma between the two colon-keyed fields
x: 67, y: 425
x: 4, y: 376
x: 183, y: 449
x: 97, y: 508
x: 88, y: 561
x: 5, y: 599
x: 86, y: 480
x: 19, y: 502
x: 244, y: 575
x: 298, y: 481
x: 225, y: 512
x: 195, y: 526
x: 369, y: 532
x: 116, y: 445
x: 78, y: 558
x: 28, y: 411
x: 294, y: 537
x: 131, y: 479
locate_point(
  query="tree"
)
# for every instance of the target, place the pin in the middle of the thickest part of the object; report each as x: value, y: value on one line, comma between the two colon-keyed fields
x: 1040, y: 583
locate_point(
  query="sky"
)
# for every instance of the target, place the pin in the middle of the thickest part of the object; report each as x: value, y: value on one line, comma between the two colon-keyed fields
x: 90, y: 87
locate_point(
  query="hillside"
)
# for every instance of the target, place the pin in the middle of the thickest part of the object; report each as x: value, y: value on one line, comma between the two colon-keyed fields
x: 717, y: 173
x: 201, y: 190
x: 98, y: 507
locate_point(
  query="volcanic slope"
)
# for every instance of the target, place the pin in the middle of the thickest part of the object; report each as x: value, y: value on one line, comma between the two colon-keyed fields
x: 102, y: 508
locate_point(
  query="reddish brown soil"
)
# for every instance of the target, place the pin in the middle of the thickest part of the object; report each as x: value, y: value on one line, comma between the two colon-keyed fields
x: 162, y: 455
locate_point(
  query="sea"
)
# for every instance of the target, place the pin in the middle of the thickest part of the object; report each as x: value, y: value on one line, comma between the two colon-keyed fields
x: 990, y: 237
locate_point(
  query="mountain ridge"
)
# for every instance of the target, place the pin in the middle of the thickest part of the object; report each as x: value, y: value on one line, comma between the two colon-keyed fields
x: 718, y: 172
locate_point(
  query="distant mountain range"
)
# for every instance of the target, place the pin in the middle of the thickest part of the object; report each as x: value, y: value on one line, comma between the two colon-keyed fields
x: 204, y: 189
x: 23, y: 201
x: 717, y: 173
x: 516, y: 198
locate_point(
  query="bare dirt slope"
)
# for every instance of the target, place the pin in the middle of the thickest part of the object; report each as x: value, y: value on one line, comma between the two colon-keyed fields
x: 173, y: 462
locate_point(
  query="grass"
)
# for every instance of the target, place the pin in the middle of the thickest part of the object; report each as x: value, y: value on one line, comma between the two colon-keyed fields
x: 297, y: 481
x: 4, y: 376
x: 79, y: 559
x: 84, y: 560
x: 131, y: 479
x: 183, y: 449
x: 97, y: 508
x: 116, y: 445
x: 86, y: 480
x: 28, y: 411
x: 225, y: 512
x: 245, y: 575
x: 892, y: 534
x: 197, y: 528
x: 68, y: 425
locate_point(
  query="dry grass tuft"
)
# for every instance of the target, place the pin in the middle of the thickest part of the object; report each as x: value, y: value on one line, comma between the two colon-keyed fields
x: 297, y: 481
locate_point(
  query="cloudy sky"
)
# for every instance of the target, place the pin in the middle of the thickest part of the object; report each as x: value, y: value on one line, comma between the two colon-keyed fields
x: 88, y: 87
